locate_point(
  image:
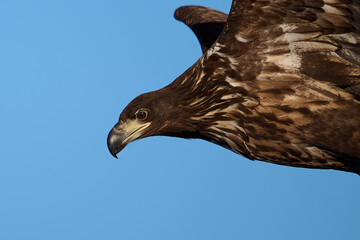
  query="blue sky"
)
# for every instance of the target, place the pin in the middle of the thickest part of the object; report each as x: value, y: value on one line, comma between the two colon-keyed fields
x: 68, y: 68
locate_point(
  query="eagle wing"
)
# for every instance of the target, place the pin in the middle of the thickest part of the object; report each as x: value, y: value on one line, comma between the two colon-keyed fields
x: 298, y: 63
x: 206, y: 23
x: 316, y: 38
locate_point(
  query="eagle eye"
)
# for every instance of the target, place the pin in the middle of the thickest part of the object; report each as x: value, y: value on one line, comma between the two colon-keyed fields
x: 141, y: 114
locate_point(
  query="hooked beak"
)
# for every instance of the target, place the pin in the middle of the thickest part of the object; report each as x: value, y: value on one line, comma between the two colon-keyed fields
x: 122, y: 134
x: 116, y: 139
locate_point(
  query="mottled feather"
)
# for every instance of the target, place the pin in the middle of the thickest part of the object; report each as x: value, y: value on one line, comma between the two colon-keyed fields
x: 280, y: 84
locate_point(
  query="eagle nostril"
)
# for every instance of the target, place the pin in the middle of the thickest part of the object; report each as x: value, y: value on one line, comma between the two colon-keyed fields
x: 119, y: 127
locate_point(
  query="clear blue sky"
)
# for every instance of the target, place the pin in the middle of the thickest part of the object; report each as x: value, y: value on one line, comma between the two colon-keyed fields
x: 67, y: 69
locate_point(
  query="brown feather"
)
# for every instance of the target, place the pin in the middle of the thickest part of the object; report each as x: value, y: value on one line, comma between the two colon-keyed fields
x: 206, y: 23
x: 281, y: 84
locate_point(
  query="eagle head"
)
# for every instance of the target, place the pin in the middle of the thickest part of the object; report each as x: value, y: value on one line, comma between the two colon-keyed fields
x: 150, y: 114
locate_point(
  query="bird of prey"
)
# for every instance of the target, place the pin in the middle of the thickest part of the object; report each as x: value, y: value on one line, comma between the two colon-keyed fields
x: 278, y: 81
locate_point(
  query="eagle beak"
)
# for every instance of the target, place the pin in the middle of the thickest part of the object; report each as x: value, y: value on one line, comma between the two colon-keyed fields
x: 115, y: 139
x: 123, y: 133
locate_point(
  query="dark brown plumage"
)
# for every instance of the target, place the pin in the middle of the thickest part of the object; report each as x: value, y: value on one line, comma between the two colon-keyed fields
x: 278, y: 82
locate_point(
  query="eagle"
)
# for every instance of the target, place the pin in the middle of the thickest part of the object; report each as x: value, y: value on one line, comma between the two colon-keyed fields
x: 278, y: 81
